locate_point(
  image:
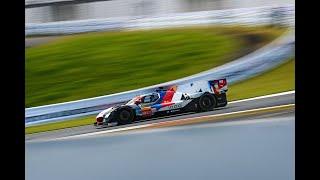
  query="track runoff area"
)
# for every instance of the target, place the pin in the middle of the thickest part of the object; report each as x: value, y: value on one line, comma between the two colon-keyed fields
x: 235, y: 110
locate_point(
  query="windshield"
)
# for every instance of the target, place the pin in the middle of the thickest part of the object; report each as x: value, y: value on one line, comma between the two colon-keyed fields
x: 150, y: 98
x: 133, y: 100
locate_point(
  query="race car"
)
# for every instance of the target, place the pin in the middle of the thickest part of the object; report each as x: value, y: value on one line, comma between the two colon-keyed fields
x: 164, y: 102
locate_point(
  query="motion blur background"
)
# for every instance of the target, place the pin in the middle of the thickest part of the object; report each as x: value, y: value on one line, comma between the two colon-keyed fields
x: 83, y: 56
x: 86, y: 48
x: 118, y: 8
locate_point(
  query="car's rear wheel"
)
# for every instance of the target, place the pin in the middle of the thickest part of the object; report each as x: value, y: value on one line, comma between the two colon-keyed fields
x: 125, y: 116
x: 207, y: 102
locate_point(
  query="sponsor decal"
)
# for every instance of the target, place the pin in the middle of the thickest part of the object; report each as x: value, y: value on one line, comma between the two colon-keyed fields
x: 175, y: 110
x: 147, y: 111
x: 175, y: 106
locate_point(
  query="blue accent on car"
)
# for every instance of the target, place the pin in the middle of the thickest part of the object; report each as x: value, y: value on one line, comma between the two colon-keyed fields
x: 157, y: 106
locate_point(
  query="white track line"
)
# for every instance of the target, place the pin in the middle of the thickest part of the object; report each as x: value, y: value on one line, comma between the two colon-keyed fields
x: 173, y: 121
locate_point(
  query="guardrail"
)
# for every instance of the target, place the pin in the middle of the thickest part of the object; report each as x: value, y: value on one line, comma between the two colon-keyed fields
x: 271, y: 55
x: 280, y: 15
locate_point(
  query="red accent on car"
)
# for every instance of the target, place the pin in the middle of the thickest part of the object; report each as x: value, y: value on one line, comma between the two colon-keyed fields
x: 168, y: 97
x: 218, y: 85
x: 222, y: 83
x: 99, y: 119
x: 166, y: 104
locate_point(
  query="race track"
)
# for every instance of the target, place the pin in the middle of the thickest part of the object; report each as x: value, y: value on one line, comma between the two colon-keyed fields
x: 251, y: 148
x: 287, y: 98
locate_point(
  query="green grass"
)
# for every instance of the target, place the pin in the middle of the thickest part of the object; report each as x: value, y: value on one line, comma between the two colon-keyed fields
x: 60, y: 125
x: 95, y: 64
x: 277, y: 80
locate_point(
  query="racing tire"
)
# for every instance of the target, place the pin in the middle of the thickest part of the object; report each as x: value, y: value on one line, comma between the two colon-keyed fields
x: 125, y: 116
x: 207, y: 102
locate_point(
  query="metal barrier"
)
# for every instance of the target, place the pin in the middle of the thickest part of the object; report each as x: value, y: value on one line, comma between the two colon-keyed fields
x: 281, y: 15
x: 255, y: 63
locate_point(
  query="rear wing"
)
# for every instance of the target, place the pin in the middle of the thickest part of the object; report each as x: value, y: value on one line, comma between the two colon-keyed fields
x: 218, y: 86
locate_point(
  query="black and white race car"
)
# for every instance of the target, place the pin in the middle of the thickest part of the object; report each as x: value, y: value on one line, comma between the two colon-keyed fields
x: 165, y: 102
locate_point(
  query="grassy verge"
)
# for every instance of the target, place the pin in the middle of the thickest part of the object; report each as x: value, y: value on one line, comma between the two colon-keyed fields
x: 60, y: 125
x: 88, y: 65
x: 277, y: 80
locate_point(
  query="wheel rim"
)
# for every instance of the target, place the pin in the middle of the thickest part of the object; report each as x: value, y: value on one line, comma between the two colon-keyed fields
x: 206, y: 102
x: 124, y: 115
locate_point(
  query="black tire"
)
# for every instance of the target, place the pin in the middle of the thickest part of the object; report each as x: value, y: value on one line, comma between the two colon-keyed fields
x: 207, y: 102
x: 125, y: 116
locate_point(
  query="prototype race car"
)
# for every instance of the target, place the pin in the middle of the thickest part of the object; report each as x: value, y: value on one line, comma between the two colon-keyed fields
x: 165, y: 102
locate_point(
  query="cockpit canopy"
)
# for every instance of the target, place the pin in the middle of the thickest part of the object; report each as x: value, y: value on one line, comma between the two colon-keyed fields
x: 150, y: 98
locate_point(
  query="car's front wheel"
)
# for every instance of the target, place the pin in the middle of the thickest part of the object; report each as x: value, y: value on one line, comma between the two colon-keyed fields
x: 125, y: 116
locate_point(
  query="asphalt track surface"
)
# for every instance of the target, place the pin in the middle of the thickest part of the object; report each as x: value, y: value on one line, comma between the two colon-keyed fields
x: 232, y: 107
x: 251, y: 148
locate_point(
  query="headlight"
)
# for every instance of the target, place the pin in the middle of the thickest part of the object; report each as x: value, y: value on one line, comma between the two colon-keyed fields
x: 106, y: 117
